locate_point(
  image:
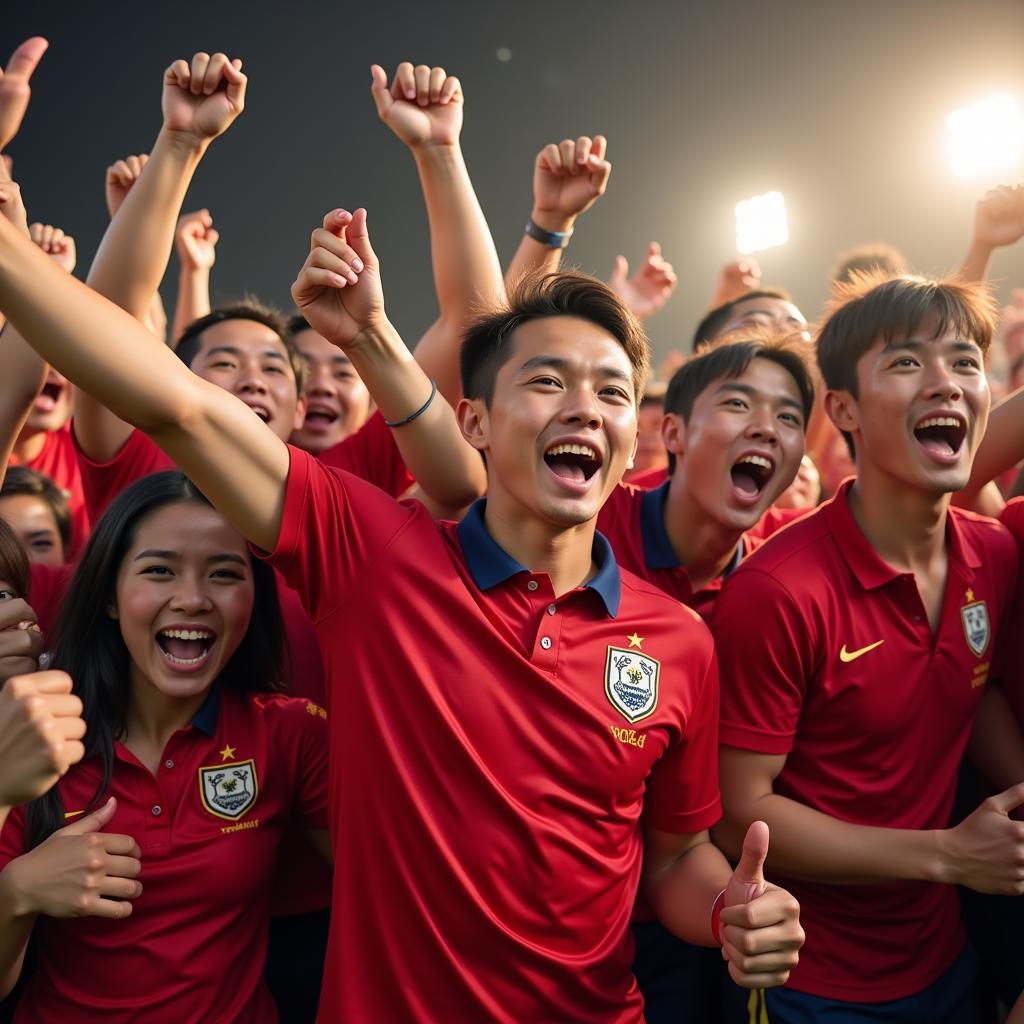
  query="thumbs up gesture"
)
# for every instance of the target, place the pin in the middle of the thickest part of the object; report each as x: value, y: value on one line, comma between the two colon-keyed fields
x: 760, y: 923
x: 80, y: 871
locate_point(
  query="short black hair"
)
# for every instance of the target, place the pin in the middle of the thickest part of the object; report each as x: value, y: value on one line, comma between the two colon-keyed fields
x: 729, y: 357
x: 249, y: 308
x: 22, y: 480
x: 486, y: 346
x: 711, y: 326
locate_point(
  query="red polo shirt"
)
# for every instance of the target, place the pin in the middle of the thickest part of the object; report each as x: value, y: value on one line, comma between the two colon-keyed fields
x: 633, y: 520
x: 827, y: 658
x: 209, y: 825
x: 59, y: 461
x: 497, y: 747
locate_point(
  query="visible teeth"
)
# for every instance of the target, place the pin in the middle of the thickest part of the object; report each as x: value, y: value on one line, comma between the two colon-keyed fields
x: 756, y: 460
x: 939, y: 421
x: 187, y: 634
x: 185, y: 661
x: 573, y: 449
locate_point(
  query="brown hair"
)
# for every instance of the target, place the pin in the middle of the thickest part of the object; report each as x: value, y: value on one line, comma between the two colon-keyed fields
x: 876, y: 305
x: 866, y: 258
x: 729, y: 357
x: 487, y: 343
x: 13, y: 561
x: 22, y: 480
x: 710, y: 327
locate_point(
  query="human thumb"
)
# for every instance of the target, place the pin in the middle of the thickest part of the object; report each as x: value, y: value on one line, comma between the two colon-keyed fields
x: 747, y: 881
x: 92, y: 822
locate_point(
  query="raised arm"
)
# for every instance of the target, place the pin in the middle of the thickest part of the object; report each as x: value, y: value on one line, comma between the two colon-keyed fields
x: 998, y: 221
x: 200, y: 101
x: 424, y: 107
x: 1001, y: 449
x: 568, y: 179
x: 338, y: 292
x: 15, y: 89
x: 649, y: 288
x: 196, y: 242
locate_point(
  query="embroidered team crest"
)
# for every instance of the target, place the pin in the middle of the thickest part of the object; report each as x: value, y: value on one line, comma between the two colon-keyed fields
x: 229, y: 790
x: 976, y: 627
x: 631, y: 683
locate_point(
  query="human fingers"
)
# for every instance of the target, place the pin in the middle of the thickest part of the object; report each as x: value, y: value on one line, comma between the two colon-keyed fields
x: 50, y: 237
x: 773, y: 907
x: 212, y: 237
x: 237, y: 83
x: 620, y: 274
x: 437, y: 80
x: 567, y: 153
x: 382, y: 97
x: 599, y: 147
x: 333, y: 238
x: 357, y: 234
x: 214, y: 73
x: 93, y: 821
x: 197, y: 72
x: 451, y: 90
x: 35, y: 232
x: 600, y: 172
x: 323, y: 257
x: 550, y: 157
x: 421, y: 75
x: 404, y: 84
x: 24, y: 60
x: 583, y: 144
x: 178, y: 73
x: 12, y: 614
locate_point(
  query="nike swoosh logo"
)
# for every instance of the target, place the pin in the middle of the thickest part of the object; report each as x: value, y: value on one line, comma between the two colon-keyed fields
x: 72, y: 814
x: 845, y: 655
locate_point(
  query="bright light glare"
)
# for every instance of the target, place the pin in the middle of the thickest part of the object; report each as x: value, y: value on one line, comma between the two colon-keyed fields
x: 761, y: 223
x: 986, y: 137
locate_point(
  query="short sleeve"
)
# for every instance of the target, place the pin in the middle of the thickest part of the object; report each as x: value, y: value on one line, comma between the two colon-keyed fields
x: 334, y: 528
x: 372, y: 455
x: 765, y: 657
x: 682, y: 793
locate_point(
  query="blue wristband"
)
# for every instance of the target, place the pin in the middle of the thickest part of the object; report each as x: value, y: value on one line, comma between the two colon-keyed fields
x: 552, y: 239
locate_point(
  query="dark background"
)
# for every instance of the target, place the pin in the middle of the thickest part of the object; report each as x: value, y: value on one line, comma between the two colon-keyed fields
x: 839, y: 104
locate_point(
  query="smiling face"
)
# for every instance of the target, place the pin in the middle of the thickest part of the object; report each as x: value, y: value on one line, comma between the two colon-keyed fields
x: 249, y: 360
x: 742, y: 444
x: 184, y: 597
x: 561, y: 425
x: 32, y: 519
x: 920, y: 411
x: 337, y: 402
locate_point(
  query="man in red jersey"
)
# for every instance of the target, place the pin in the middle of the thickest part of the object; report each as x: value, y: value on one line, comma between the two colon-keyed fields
x: 734, y: 431
x: 509, y: 702
x: 855, y: 650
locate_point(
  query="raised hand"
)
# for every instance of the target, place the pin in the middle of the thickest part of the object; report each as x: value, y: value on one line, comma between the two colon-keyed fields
x: 120, y: 178
x: 201, y: 99
x: 985, y: 851
x: 14, y: 87
x: 41, y: 730
x: 735, y: 279
x: 196, y: 240
x: 649, y: 288
x: 760, y: 923
x: 568, y: 179
x: 55, y: 243
x: 79, y: 871
x: 999, y: 217
x: 423, y: 106
x: 338, y: 290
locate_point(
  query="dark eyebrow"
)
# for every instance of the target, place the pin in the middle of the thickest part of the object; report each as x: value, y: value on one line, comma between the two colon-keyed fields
x: 174, y: 556
x: 340, y: 358
x: 959, y: 345
x: 37, y: 534
x: 557, y: 363
x: 231, y: 350
x: 746, y: 389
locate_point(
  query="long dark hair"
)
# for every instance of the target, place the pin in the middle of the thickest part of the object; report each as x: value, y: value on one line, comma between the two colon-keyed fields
x: 91, y: 650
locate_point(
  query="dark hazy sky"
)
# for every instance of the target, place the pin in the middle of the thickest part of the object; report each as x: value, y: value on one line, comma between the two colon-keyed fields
x: 839, y: 104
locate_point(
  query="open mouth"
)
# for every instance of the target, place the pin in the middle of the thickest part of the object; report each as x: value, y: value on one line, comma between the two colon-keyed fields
x: 574, y: 463
x: 320, y: 416
x: 941, y: 436
x: 47, y: 399
x: 186, y: 648
x: 262, y: 411
x: 750, y: 475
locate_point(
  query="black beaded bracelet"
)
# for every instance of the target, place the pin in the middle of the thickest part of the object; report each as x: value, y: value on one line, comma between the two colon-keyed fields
x: 419, y: 412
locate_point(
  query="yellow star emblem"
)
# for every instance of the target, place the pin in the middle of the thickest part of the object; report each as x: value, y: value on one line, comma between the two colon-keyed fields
x: 969, y: 595
x: 228, y: 751
x: 635, y: 641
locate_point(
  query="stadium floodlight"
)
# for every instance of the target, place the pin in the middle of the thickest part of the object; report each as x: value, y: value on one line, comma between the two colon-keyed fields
x: 761, y: 223
x: 985, y: 138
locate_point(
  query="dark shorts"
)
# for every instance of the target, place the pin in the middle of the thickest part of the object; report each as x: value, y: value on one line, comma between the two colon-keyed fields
x: 951, y: 999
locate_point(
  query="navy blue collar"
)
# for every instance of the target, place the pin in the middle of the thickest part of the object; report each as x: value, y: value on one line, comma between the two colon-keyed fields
x: 205, y: 719
x: 489, y: 564
x: 658, y: 550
